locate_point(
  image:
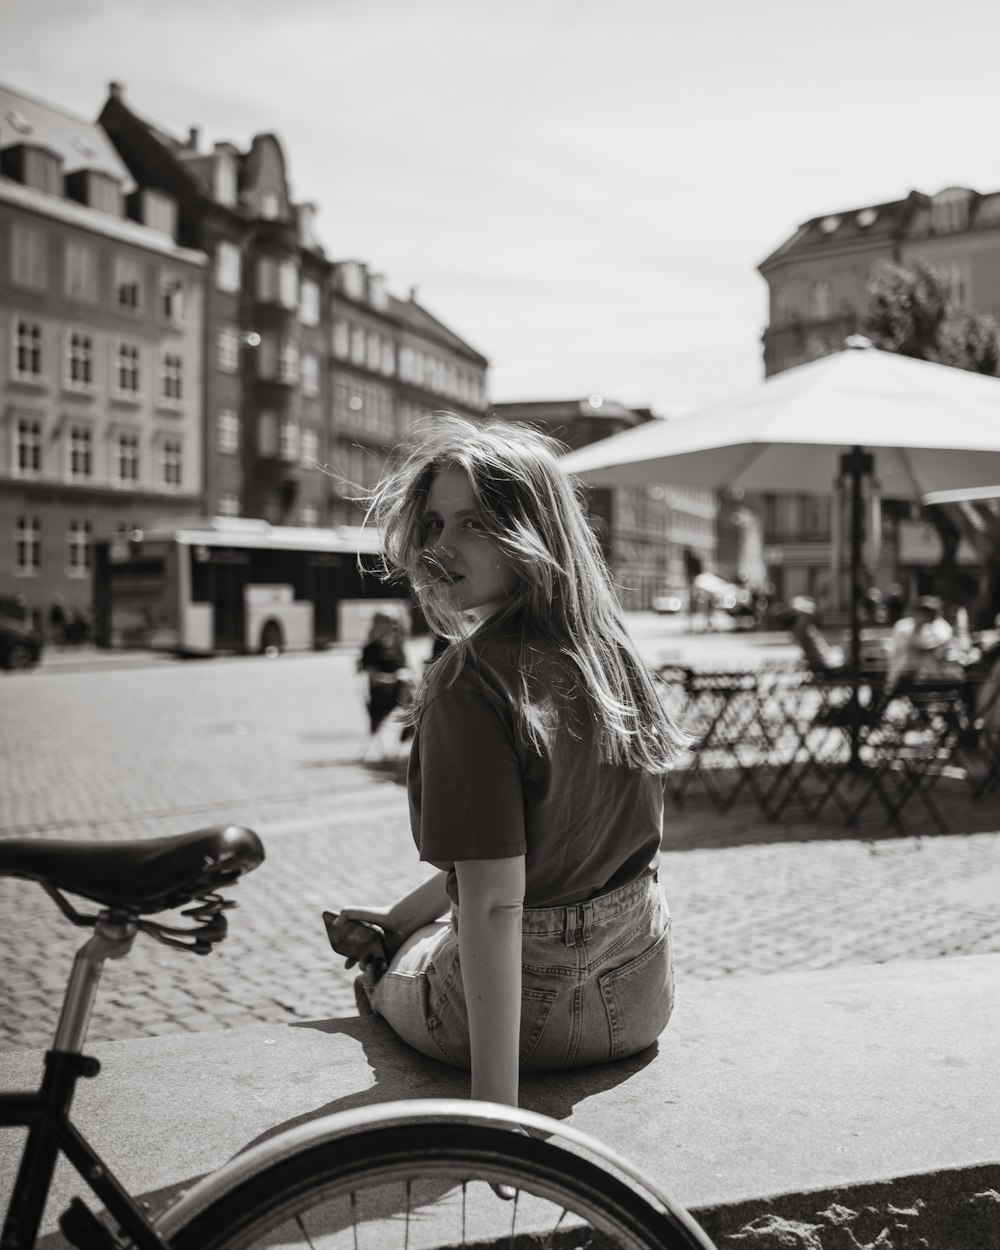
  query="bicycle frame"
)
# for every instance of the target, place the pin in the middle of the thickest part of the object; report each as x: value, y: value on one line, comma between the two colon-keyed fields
x: 45, y: 1112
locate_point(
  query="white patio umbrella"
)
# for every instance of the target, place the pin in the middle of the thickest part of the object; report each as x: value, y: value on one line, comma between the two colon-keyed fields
x: 926, y: 427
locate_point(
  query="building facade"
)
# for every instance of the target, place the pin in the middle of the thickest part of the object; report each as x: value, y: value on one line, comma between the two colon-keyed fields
x: 101, y: 333
x: 817, y: 285
x: 313, y: 369
x: 650, y: 534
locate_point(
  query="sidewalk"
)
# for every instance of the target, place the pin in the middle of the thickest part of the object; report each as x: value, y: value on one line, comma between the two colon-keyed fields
x: 821, y: 1110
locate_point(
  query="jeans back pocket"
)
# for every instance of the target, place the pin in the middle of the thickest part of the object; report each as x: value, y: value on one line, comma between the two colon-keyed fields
x: 639, y: 997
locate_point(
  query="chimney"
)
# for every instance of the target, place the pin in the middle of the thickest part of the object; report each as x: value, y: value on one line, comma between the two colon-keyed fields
x: 413, y: 294
x: 193, y: 137
x: 116, y: 90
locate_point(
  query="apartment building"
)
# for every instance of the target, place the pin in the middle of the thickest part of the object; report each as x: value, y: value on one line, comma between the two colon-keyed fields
x: 313, y: 369
x: 649, y: 533
x: 817, y: 284
x: 101, y: 331
x: 392, y: 363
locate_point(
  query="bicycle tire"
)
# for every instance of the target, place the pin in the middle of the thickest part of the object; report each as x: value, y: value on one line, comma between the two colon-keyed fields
x: 314, y: 1198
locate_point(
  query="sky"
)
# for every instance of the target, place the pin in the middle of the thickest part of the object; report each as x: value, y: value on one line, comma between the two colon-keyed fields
x: 582, y: 189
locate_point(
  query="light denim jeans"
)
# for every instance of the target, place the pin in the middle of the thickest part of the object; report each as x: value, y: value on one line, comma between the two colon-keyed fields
x: 597, y: 982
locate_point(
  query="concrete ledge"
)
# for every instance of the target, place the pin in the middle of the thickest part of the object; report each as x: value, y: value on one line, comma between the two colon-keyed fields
x: 796, y: 1109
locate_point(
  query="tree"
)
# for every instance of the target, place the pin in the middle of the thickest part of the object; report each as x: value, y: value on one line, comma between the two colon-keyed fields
x: 910, y: 312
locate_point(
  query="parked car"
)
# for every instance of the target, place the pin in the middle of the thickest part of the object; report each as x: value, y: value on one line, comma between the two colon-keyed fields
x: 669, y: 601
x: 20, y: 645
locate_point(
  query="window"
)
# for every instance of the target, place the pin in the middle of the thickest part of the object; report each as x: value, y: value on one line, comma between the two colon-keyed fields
x: 229, y: 349
x: 288, y: 439
x: 104, y: 193
x: 171, y: 298
x: 270, y: 205
x: 341, y: 339
x: 310, y: 373
x: 288, y: 362
x: 352, y: 279
x: 310, y: 446
x: 374, y: 352
x: 126, y: 369
x: 267, y: 434
x: 27, y: 350
x: 822, y: 300
x: 950, y: 210
x: 225, y: 179
x: 128, y: 286
x: 406, y: 364
x: 81, y: 272
x: 170, y: 462
x: 28, y: 258
x: 957, y: 280
x: 79, y: 360
x: 27, y: 447
x: 159, y: 212
x: 80, y: 453
x: 229, y: 505
x: 309, y: 310
x: 227, y: 266
x: 267, y: 356
x: 358, y: 345
x: 288, y: 283
x: 271, y: 507
x: 43, y: 171
x: 78, y: 548
x: 126, y: 457
x: 388, y: 358
x: 28, y: 546
x: 309, y: 515
x: 267, y: 280
x: 172, y: 377
x: 227, y: 431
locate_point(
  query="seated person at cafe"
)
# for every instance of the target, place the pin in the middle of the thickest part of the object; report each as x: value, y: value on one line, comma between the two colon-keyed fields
x: 919, y: 646
x: 820, y: 655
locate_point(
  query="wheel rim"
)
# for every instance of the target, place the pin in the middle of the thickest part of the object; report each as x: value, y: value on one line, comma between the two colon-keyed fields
x: 429, y: 1187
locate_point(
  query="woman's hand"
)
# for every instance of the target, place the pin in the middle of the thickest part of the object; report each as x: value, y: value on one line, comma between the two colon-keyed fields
x: 362, y: 937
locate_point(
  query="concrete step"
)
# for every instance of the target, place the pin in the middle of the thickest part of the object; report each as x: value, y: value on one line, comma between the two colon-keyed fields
x: 789, y: 1109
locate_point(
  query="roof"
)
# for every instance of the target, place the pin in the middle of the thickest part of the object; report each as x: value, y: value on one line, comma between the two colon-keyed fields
x: 417, y: 318
x: 872, y: 223
x: 79, y: 143
x: 122, y: 229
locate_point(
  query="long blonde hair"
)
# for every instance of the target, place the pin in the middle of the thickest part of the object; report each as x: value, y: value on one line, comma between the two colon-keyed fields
x: 564, y: 594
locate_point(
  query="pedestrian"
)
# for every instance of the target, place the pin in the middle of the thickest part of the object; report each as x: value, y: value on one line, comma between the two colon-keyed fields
x: 535, y: 778
x: 918, y: 646
x: 384, y: 661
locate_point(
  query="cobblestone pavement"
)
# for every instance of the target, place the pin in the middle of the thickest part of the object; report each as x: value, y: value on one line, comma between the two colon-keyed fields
x: 113, y: 751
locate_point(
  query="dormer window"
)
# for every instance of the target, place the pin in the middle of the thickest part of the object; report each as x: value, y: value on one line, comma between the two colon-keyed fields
x: 950, y: 210
x: 270, y: 206
x: 225, y: 179
x: 104, y: 193
x: 33, y: 167
x: 377, y: 293
x: 352, y: 279
x: 155, y: 210
x: 867, y: 217
x: 829, y: 225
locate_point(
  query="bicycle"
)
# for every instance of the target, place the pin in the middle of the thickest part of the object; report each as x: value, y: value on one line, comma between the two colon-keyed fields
x: 417, y: 1174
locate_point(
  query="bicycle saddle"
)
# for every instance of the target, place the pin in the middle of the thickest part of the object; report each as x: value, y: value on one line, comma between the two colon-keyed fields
x: 145, y: 876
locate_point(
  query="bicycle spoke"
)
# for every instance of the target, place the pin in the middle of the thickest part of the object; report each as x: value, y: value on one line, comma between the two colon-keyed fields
x: 305, y: 1234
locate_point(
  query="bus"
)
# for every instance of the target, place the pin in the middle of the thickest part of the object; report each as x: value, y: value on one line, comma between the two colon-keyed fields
x: 224, y: 585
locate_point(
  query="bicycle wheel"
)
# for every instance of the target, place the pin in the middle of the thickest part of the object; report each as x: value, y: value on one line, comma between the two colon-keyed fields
x: 427, y: 1185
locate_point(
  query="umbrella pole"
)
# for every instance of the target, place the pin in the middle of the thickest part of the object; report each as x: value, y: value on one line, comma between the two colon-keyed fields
x: 854, y: 465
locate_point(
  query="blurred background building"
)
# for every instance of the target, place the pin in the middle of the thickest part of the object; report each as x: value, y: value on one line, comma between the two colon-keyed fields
x: 818, y: 291
x: 650, y: 534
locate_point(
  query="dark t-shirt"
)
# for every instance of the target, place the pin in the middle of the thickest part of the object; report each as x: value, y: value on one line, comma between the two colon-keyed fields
x: 479, y: 788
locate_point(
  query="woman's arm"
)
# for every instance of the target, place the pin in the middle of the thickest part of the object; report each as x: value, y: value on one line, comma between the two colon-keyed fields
x: 421, y: 906
x: 491, y: 900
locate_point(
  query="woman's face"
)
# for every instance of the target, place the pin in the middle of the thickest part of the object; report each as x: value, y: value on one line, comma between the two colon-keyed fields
x: 465, y: 560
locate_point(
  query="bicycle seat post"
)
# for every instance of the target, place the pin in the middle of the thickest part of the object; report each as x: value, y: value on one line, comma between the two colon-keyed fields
x: 112, y: 939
